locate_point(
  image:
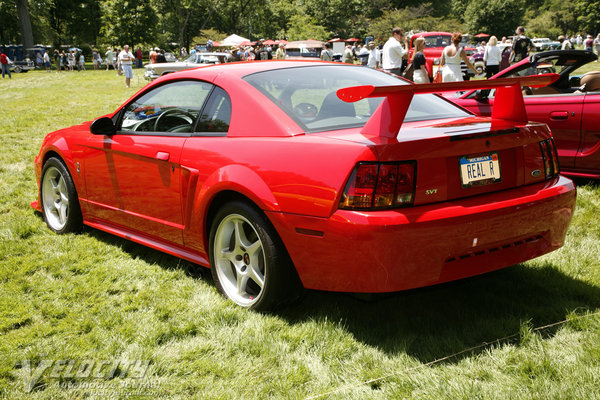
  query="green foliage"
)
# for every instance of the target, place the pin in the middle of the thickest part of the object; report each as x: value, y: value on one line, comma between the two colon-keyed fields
x: 588, y: 19
x: 162, y: 22
x: 418, y: 19
x: 304, y: 27
x: 495, y: 17
x: 544, y: 25
x: 129, y: 22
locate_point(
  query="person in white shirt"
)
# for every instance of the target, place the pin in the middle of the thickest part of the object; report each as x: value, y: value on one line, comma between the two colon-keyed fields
x: 126, y: 59
x: 374, y: 56
x: 46, y: 58
x: 394, y: 52
x: 491, y: 57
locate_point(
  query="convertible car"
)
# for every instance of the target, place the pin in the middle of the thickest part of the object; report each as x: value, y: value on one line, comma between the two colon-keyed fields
x: 284, y: 175
x: 570, y: 106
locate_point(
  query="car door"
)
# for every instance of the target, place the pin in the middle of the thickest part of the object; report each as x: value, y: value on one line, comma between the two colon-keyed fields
x: 133, y: 177
x: 588, y: 156
x: 563, y: 114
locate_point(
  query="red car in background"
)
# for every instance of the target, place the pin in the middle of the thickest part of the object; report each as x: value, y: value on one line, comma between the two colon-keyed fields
x: 284, y: 175
x: 435, y: 42
x: 570, y: 106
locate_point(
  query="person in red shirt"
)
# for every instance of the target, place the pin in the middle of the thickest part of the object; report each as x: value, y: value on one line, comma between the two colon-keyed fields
x: 4, y: 63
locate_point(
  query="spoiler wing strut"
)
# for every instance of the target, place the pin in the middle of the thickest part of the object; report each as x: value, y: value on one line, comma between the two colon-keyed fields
x: 389, y: 116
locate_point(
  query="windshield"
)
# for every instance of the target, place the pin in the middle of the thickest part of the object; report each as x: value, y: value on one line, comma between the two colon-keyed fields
x: 437, y: 41
x: 309, y: 96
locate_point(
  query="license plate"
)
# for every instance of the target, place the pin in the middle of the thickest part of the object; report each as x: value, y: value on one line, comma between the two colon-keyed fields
x: 481, y: 170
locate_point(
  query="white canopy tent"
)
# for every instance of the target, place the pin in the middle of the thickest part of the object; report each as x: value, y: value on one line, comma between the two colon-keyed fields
x: 233, y: 40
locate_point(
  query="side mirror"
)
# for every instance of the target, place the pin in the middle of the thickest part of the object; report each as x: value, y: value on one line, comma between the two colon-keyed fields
x: 103, y: 126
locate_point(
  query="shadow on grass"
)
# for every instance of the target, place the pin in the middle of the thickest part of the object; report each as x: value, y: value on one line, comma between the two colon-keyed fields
x: 595, y: 183
x: 426, y: 323
x: 150, y: 255
x: 437, y: 321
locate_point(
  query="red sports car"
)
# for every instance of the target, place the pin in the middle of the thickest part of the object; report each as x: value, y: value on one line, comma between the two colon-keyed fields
x: 570, y: 106
x: 284, y: 175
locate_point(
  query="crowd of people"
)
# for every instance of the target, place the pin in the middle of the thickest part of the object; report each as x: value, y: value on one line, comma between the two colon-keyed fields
x: 391, y: 56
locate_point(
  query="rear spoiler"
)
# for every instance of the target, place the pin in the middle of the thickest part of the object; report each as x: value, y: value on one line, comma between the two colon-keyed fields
x: 389, y: 116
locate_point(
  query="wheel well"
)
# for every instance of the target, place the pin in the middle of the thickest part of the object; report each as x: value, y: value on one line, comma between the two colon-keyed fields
x: 216, y: 203
x: 50, y: 154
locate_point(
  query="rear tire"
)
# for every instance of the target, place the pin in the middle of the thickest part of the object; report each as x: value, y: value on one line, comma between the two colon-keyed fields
x: 60, y: 203
x: 249, y: 263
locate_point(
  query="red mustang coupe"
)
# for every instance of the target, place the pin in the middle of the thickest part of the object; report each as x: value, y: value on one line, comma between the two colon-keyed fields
x: 570, y: 106
x: 284, y: 175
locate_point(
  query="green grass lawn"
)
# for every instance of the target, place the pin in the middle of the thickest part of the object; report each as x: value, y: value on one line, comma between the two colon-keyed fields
x: 93, y: 297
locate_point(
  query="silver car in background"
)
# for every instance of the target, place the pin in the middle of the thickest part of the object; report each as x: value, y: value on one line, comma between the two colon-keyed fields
x: 197, y: 59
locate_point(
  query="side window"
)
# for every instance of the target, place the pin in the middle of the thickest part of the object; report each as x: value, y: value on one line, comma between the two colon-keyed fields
x: 216, y: 115
x: 173, y: 107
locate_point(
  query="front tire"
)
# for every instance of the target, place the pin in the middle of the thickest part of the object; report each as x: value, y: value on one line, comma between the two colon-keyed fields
x: 60, y: 203
x: 249, y: 263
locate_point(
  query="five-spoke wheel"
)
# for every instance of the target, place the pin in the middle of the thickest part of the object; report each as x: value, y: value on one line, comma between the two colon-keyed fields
x: 249, y: 264
x: 60, y: 204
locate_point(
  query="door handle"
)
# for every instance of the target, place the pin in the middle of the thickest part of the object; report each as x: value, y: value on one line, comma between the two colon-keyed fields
x: 162, y: 155
x: 559, y: 115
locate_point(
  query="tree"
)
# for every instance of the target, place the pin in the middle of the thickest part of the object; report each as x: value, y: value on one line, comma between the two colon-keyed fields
x: 131, y: 22
x: 25, y: 23
x: 589, y: 16
x: 498, y: 17
x: 304, y: 27
x: 9, y: 28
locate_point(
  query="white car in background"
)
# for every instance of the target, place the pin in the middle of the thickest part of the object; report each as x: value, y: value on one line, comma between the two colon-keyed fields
x: 543, y: 44
x: 197, y: 59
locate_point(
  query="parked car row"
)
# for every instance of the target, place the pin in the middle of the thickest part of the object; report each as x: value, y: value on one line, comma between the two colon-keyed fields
x: 543, y: 44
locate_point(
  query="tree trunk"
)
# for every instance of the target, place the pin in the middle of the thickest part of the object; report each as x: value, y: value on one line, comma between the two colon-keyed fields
x: 25, y: 23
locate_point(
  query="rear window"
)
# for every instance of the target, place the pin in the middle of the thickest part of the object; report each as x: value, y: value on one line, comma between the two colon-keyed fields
x: 308, y: 95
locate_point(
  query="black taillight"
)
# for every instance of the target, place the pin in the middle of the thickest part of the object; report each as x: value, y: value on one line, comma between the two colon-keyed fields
x: 551, y: 167
x: 380, y: 186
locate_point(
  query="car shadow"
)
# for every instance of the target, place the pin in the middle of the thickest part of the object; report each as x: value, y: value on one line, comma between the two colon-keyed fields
x: 437, y: 321
x: 426, y: 323
x: 150, y: 255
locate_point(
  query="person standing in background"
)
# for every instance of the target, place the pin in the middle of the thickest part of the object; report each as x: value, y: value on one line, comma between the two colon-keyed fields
x: 81, y: 62
x: 126, y: 60
x: 280, y: 53
x: 521, y: 46
x: 46, y: 59
x: 452, y: 56
x: 420, y: 74
x: 56, y: 60
x: 492, y: 57
x: 326, y: 53
x: 374, y: 60
x: 5, y: 65
x: 394, y: 52
x: 589, y: 43
x: 108, y: 58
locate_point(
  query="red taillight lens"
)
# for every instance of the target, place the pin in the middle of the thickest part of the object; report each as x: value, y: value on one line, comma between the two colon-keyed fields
x: 551, y: 167
x: 380, y: 185
x: 386, y: 185
x: 361, y: 186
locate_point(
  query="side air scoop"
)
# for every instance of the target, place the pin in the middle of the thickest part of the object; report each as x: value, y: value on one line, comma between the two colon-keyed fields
x: 389, y: 116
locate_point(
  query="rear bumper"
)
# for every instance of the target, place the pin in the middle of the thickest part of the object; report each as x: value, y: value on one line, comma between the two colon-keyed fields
x: 386, y: 251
